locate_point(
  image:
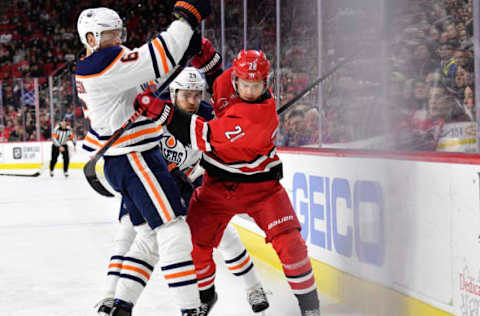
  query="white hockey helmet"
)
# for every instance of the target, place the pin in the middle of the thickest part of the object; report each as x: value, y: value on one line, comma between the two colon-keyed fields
x: 189, y: 79
x: 97, y: 20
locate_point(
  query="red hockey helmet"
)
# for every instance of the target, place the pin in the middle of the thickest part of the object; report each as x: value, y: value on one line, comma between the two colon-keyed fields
x: 251, y: 65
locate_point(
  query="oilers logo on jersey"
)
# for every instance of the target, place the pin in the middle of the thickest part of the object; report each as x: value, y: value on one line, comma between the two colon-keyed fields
x: 173, y: 150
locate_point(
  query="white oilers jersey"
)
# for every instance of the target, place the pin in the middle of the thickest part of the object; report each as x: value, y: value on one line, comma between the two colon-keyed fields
x: 108, y: 81
x: 175, y: 152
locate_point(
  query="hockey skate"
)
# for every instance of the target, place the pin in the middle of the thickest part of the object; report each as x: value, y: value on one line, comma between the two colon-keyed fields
x: 121, y: 308
x: 312, y: 312
x: 104, y: 307
x: 206, y: 307
x: 257, y: 299
x: 193, y: 312
x: 66, y: 174
x: 51, y: 174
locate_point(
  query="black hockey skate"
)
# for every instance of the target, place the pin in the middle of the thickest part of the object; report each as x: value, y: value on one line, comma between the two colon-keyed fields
x: 122, y: 308
x: 312, y: 312
x: 257, y: 299
x: 204, y: 308
x: 208, y: 298
x: 104, y: 307
x: 192, y: 312
x: 309, y: 303
x: 207, y: 306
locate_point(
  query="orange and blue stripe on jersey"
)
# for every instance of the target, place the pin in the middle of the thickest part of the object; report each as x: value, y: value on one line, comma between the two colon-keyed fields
x: 158, y: 45
x: 142, y: 135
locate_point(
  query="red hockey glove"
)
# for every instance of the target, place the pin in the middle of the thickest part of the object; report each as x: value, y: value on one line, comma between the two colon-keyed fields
x: 158, y: 109
x: 207, y: 60
x: 193, y: 11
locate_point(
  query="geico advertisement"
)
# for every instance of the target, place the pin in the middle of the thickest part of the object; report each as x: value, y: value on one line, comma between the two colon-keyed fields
x: 380, y: 220
x: 347, y: 220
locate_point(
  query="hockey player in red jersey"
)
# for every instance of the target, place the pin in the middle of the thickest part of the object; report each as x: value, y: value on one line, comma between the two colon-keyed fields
x: 242, y: 171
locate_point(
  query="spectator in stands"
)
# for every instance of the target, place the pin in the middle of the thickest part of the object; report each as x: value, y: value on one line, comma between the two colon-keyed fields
x: 17, y: 134
x: 469, y: 103
x: 312, y: 126
x: 293, y: 134
x: 420, y: 95
x: 442, y: 105
x: 451, y: 30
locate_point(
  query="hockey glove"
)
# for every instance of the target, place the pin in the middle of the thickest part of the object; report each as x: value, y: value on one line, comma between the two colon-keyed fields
x: 184, y: 184
x: 207, y: 60
x: 193, y: 11
x: 159, y: 109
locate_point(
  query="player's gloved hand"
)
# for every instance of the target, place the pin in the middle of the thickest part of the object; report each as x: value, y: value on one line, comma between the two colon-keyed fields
x: 193, y: 11
x: 159, y: 109
x: 182, y: 181
x: 207, y: 60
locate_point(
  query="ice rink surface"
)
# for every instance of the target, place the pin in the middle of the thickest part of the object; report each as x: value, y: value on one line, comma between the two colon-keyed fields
x: 55, y: 239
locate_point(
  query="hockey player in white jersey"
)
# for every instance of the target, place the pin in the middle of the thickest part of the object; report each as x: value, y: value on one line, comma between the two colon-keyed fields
x: 107, y: 80
x: 183, y: 162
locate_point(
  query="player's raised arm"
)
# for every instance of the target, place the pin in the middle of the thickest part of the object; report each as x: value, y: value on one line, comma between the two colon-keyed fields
x: 101, y: 31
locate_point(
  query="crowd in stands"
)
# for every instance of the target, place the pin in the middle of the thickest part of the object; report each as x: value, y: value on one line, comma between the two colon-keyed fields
x: 413, y: 74
x: 38, y: 38
x: 437, y: 80
x: 411, y: 83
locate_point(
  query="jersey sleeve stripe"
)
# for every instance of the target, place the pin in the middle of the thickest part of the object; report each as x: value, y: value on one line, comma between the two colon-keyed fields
x: 154, y: 60
x: 193, y: 136
x: 137, y: 134
x: 170, y: 57
x: 205, y: 132
x: 106, y: 68
x: 161, y: 51
x: 93, y: 141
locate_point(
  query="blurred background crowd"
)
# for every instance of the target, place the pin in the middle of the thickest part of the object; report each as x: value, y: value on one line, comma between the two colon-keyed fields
x: 409, y: 83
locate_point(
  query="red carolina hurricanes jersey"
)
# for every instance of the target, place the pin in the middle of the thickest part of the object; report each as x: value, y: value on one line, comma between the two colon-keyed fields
x: 239, y: 143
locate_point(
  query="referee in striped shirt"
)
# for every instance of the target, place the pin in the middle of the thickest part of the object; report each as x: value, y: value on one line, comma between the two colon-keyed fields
x: 60, y: 136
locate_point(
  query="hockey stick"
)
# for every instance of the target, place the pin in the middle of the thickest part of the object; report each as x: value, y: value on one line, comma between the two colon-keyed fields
x: 36, y: 174
x: 315, y: 83
x: 89, y: 169
x: 33, y: 175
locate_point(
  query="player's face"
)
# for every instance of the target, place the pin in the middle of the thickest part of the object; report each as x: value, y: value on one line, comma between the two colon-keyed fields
x: 188, y: 100
x: 250, y: 90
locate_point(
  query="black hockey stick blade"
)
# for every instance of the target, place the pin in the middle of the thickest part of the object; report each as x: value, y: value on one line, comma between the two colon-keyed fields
x: 89, y: 168
x: 91, y: 175
x: 36, y: 174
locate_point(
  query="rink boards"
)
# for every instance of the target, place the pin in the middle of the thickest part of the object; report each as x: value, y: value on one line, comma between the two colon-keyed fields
x: 389, y: 234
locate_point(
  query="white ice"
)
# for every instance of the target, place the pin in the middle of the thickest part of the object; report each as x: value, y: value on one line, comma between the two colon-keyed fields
x: 55, y: 239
